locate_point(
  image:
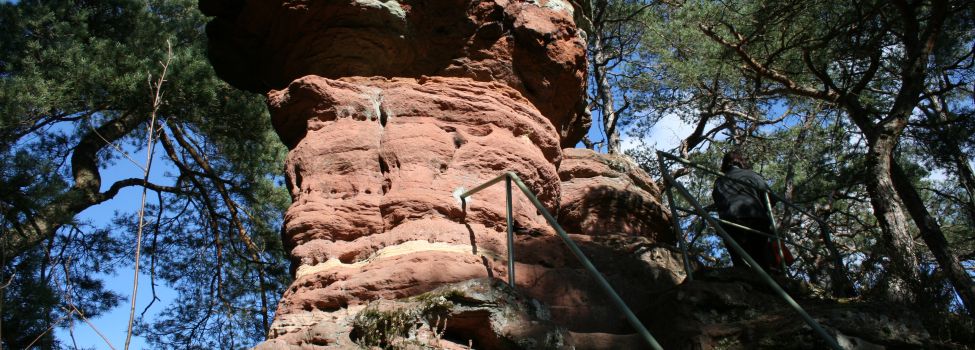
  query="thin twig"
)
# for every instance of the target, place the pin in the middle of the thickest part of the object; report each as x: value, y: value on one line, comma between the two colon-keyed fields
x: 49, y: 328
x: 67, y: 296
x: 83, y: 318
x: 156, y: 103
x: 120, y: 151
x: 152, y: 265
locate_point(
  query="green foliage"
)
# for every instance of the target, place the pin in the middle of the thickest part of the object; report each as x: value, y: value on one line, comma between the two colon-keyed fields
x: 70, y: 67
x: 803, y: 88
x: 395, y: 327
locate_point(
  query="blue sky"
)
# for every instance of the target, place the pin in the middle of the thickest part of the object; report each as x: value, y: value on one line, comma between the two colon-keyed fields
x: 113, y: 324
x: 667, y: 133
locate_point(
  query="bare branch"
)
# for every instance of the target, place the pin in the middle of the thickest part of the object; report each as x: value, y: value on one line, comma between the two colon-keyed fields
x: 150, y: 142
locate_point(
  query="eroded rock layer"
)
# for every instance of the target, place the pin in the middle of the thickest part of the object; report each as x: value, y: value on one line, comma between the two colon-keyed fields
x: 531, y: 46
x: 390, y: 109
x: 605, y: 194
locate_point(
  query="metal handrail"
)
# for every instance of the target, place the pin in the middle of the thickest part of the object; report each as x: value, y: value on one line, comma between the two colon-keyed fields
x: 751, y: 230
x: 508, y: 177
x: 673, y: 184
x: 842, y: 284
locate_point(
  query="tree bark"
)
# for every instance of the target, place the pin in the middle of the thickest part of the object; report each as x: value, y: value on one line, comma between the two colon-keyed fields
x: 604, y: 93
x: 935, y: 240
x: 889, y: 212
x: 84, y: 193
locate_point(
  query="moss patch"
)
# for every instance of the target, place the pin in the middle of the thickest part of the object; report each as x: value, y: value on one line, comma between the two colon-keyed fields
x: 394, y: 324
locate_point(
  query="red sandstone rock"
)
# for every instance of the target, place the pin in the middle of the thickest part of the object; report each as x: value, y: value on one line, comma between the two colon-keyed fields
x: 532, y: 47
x: 390, y: 109
x: 399, y: 149
x: 604, y: 194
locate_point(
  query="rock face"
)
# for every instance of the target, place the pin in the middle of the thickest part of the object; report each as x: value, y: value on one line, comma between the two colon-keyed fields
x: 375, y: 217
x: 733, y: 309
x: 605, y: 194
x: 391, y: 108
x: 531, y: 46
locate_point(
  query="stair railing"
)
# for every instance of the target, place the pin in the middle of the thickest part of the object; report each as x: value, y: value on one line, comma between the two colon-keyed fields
x: 671, y: 184
x: 510, y: 177
x: 841, y: 282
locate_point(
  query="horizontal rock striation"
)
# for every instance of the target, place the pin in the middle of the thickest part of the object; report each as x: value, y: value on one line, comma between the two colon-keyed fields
x: 531, y: 46
x: 390, y: 109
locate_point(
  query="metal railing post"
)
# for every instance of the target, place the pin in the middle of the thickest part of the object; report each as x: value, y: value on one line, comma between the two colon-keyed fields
x: 754, y: 265
x: 676, y: 220
x: 511, y: 231
x: 839, y: 267
x: 589, y: 267
x: 615, y: 298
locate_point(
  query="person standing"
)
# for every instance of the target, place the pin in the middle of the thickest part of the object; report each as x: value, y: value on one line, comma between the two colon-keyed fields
x: 740, y: 197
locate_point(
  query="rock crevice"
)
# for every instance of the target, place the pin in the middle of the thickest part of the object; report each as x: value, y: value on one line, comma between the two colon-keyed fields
x: 389, y: 108
x: 532, y: 47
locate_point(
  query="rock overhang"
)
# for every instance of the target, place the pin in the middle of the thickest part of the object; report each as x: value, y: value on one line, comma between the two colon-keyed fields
x: 532, y: 46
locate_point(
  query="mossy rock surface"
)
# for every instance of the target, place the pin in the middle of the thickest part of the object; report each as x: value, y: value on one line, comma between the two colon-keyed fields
x: 483, y: 313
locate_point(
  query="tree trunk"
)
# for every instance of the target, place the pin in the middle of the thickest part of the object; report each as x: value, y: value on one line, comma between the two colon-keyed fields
x: 935, y: 240
x: 84, y: 193
x: 903, y: 270
x: 604, y: 93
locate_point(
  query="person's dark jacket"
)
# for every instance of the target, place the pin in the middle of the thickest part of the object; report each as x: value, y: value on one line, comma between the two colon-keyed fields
x: 735, y: 200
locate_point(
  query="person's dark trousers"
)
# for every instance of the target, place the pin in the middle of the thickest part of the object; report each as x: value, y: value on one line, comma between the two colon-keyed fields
x: 755, y: 244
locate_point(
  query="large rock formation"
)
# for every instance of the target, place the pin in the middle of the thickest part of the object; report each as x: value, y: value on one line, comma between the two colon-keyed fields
x: 531, y: 46
x: 388, y: 109
x: 605, y: 194
x: 734, y: 309
x: 375, y: 213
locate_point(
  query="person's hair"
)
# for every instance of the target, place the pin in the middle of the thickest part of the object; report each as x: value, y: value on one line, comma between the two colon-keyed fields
x: 733, y: 158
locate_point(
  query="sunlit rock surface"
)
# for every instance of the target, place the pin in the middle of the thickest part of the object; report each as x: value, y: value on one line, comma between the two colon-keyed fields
x: 605, y: 194
x: 390, y: 109
x: 531, y: 46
